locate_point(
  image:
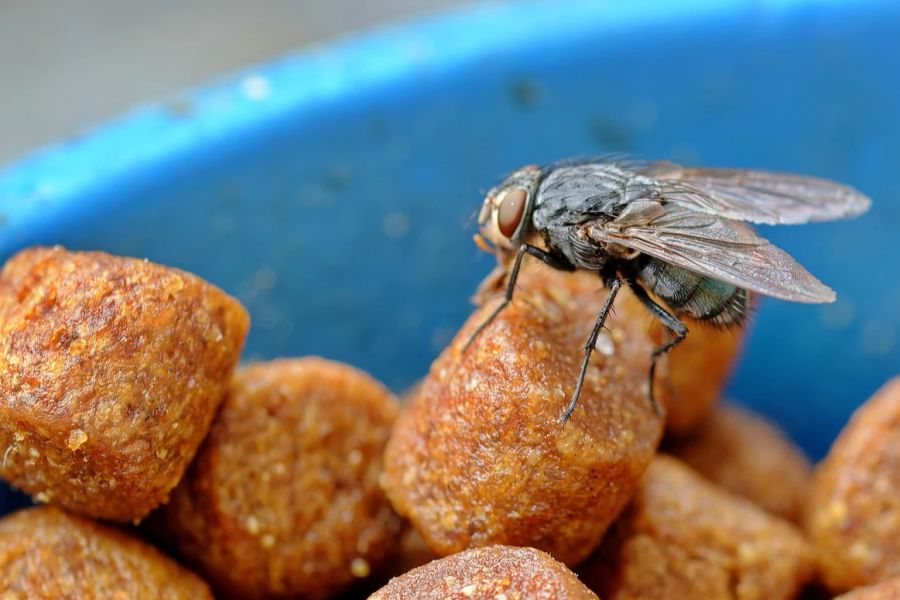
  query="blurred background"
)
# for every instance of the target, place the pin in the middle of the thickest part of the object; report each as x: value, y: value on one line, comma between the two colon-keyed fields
x: 331, y: 187
x: 67, y: 65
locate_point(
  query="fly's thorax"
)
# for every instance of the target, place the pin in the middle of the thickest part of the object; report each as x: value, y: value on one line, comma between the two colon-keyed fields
x: 612, y: 249
x: 575, y: 193
x: 572, y: 242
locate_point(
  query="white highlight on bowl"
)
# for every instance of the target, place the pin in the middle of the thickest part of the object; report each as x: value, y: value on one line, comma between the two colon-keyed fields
x: 256, y: 87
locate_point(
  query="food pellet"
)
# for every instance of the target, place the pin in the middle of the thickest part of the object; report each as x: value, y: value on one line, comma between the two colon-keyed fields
x: 100, y: 357
x: 480, y: 457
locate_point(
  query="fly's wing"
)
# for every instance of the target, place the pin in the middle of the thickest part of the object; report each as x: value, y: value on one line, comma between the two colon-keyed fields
x: 718, y: 248
x: 756, y: 196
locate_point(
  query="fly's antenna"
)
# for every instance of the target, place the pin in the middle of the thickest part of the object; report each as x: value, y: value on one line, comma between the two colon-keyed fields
x: 483, y: 244
x: 474, y: 213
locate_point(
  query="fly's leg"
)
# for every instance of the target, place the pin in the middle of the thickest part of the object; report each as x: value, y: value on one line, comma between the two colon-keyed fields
x: 614, y: 286
x: 524, y: 249
x: 670, y: 321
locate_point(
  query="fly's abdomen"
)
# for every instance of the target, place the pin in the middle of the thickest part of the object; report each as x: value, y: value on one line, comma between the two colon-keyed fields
x: 695, y: 295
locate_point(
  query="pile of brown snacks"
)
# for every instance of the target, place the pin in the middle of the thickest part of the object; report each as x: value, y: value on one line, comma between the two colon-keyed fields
x: 46, y: 553
x: 292, y: 478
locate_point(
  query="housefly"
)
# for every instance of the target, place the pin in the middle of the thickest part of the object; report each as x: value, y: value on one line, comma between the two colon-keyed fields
x: 674, y: 235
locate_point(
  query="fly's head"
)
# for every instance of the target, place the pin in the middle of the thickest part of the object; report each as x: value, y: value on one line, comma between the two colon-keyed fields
x: 505, y: 216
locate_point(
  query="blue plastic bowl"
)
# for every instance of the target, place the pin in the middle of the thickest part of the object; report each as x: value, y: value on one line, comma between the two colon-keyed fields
x: 330, y: 190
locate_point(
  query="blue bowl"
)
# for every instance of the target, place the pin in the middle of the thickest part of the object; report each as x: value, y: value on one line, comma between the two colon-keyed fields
x: 331, y: 190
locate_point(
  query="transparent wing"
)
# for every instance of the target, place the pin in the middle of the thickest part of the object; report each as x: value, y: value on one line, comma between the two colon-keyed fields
x: 719, y: 248
x: 756, y: 196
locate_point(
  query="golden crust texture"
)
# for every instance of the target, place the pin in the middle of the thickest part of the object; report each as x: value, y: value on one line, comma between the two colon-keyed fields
x: 690, y: 378
x: 48, y: 554
x: 749, y: 456
x: 480, y: 457
x: 283, y: 499
x: 111, y: 370
x: 681, y: 537
x: 854, y: 508
x: 488, y: 574
x: 885, y: 590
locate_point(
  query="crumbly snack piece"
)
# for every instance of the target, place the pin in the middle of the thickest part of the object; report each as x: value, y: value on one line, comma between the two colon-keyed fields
x: 283, y: 499
x: 749, y: 456
x: 111, y: 370
x: 690, y: 378
x: 488, y: 574
x: 682, y: 537
x: 853, y: 517
x: 885, y: 590
x: 48, y: 554
x: 480, y: 457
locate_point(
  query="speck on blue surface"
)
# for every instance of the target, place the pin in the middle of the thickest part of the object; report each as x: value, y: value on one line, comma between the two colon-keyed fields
x: 331, y: 190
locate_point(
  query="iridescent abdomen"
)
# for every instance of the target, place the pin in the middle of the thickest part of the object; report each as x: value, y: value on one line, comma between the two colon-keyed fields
x: 695, y: 295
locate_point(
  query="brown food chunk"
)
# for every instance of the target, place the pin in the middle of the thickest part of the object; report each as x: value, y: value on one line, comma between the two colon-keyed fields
x: 854, y: 509
x: 682, y: 537
x: 885, y: 590
x: 749, y: 456
x: 690, y: 378
x: 488, y: 574
x: 480, y: 457
x: 111, y: 370
x: 283, y: 498
x: 694, y: 373
x: 46, y: 553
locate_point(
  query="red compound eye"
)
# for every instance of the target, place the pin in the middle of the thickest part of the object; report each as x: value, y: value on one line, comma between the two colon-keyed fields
x: 511, y: 210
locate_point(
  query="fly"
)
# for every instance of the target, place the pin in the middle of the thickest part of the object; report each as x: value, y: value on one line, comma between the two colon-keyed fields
x: 674, y: 232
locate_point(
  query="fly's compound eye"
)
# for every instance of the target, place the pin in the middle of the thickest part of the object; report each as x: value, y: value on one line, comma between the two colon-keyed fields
x: 509, y: 215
